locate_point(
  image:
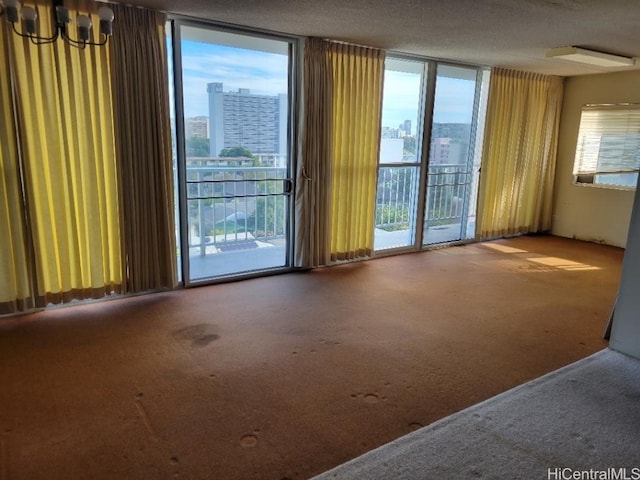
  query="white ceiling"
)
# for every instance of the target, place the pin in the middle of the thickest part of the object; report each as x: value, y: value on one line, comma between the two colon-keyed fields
x: 506, y: 33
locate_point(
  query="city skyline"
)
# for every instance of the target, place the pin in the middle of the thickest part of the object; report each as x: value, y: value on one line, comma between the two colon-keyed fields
x: 267, y: 74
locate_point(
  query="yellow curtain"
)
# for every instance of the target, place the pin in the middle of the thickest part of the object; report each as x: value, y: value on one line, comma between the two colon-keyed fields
x: 340, y: 142
x: 15, y: 286
x: 519, y: 153
x: 63, y: 106
x: 141, y: 105
x: 358, y: 74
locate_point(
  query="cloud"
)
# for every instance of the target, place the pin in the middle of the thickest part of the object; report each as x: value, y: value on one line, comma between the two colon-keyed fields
x: 267, y: 74
x: 262, y: 73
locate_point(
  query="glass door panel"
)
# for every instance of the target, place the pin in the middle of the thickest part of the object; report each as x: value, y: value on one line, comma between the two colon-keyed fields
x: 400, y: 154
x: 451, y: 173
x: 236, y: 181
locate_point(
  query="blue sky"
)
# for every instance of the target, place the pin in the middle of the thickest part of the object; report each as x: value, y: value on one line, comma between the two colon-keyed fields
x: 266, y: 73
x: 262, y: 73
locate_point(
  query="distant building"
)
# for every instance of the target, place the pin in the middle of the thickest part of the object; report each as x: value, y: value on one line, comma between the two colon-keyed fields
x: 449, y: 144
x: 391, y: 150
x: 388, y: 132
x: 242, y: 119
x: 439, y: 153
x: 456, y: 131
x: 209, y: 162
x: 196, y: 127
x: 406, y: 127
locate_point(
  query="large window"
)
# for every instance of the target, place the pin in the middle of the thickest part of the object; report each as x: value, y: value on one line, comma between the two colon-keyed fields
x: 400, y: 153
x: 232, y: 149
x: 427, y: 184
x: 454, y: 160
x: 608, y: 147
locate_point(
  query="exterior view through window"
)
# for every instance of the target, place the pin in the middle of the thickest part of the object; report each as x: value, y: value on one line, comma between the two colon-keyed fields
x: 449, y: 103
x: 232, y: 120
x: 233, y: 162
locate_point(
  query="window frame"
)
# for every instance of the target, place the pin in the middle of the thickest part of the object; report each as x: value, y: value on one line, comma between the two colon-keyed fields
x: 616, y: 120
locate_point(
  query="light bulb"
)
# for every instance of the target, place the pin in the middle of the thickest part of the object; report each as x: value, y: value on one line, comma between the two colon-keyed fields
x: 29, y: 15
x: 106, y: 14
x: 83, y: 21
x: 84, y: 25
x: 106, y: 20
x: 11, y: 10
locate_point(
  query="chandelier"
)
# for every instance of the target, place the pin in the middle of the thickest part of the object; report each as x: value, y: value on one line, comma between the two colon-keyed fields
x: 61, y: 20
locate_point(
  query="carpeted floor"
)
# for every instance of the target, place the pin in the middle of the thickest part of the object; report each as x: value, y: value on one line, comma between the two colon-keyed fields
x: 584, y: 417
x: 288, y: 376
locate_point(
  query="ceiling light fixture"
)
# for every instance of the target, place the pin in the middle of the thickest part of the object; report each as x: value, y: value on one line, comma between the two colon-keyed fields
x: 591, y: 57
x: 15, y: 12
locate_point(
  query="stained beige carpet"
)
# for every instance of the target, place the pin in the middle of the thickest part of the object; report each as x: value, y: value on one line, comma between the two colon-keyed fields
x: 287, y: 376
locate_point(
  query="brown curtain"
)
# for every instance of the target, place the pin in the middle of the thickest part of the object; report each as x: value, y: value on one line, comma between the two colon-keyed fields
x: 519, y: 155
x: 313, y: 195
x: 16, y: 290
x: 143, y: 147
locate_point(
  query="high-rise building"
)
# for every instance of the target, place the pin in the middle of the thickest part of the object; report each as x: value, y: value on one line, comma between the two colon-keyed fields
x: 196, y: 127
x: 406, y: 126
x: 450, y: 143
x: 242, y: 119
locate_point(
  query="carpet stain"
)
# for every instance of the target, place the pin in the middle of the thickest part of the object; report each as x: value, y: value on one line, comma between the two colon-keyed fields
x: 199, y: 335
x: 249, y: 441
x: 144, y: 416
x: 371, y: 398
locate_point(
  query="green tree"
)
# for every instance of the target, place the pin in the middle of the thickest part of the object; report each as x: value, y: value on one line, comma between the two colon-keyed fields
x: 409, y: 145
x: 197, y: 147
x: 236, y: 152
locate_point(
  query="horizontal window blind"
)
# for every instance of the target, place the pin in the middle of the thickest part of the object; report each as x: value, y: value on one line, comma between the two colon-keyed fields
x: 608, y: 141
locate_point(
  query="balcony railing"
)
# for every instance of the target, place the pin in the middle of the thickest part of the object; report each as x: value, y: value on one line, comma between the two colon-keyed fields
x: 398, y: 187
x: 240, y: 207
x: 232, y: 208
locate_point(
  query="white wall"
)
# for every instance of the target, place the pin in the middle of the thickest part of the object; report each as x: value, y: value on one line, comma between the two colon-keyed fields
x: 625, y: 332
x: 584, y: 212
x: 391, y: 150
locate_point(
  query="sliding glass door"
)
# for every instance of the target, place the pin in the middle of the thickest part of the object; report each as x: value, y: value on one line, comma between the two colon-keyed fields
x: 432, y: 126
x: 233, y: 132
x: 400, y: 153
x: 453, y: 164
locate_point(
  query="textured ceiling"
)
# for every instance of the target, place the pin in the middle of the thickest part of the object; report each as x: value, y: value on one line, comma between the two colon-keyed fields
x: 506, y: 33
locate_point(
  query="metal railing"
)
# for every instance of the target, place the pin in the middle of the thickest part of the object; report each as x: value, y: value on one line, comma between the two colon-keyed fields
x: 232, y: 207
x: 447, y: 190
x: 447, y: 186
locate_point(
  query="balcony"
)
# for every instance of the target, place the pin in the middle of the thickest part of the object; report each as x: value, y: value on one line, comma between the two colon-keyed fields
x: 237, y: 215
x: 448, y: 187
x: 237, y: 218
